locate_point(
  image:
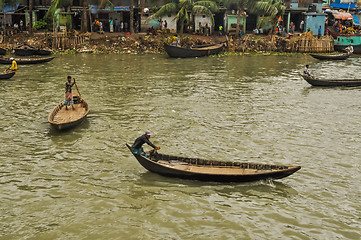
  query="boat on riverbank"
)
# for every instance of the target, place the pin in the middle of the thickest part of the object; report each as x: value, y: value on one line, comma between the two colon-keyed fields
x: 342, y: 42
x: 27, y: 50
x: 341, y: 56
x: 210, y: 170
x: 7, y: 74
x: 2, y: 51
x: 196, y: 51
x: 62, y: 119
x: 23, y: 61
x: 332, y: 82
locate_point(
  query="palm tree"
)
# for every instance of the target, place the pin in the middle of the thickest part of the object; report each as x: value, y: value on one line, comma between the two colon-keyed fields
x: 271, y: 8
x: 183, y: 8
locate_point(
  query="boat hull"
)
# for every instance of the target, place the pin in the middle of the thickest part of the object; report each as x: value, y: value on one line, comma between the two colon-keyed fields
x: 180, y: 52
x: 2, y: 51
x: 331, y: 57
x: 23, y: 61
x: 169, y: 171
x: 73, y: 122
x: 332, y: 82
x: 7, y: 75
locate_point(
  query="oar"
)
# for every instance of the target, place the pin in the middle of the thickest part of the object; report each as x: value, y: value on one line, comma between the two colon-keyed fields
x: 77, y: 89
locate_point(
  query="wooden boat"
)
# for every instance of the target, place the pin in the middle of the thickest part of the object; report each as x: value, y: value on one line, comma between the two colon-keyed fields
x: 43, y: 52
x: 2, y: 51
x: 29, y: 51
x: 332, y: 82
x: 25, y: 50
x: 209, y: 170
x: 342, y: 56
x: 7, y: 75
x: 24, y: 61
x: 62, y: 119
x: 343, y: 42
x: 197, y: 51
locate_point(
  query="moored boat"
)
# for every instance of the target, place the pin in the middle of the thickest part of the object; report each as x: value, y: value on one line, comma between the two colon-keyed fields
x: 196, y: 51
x: 332, y: 82
x: 209, y: 170
x: 7, y: 74
x: 62, y: 119
x: 342, y: 56
x: 342, y: 42
x: 23, y: 61
x: 2, y: 51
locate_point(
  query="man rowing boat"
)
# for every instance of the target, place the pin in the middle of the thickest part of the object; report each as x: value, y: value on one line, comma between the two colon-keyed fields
x: 137, y: 146
x: 68, y: 94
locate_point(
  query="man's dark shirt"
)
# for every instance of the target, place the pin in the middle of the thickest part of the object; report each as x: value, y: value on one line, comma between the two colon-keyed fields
x: 138, y: 143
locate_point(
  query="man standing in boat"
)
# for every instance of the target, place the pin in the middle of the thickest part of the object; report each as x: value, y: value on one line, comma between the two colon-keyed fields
x: 137, y: 146
x: 68, y: 93
x: 14, y: 65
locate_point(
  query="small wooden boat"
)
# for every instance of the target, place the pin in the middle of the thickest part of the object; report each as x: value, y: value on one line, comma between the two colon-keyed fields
x: 209, y: 170
x: 332, y: 82
x: 24, y: 61
x: 43, y: 52
x: 342, y: 56
x: 62, y: 119
x: 25, y: 50
x: 2, y: 51
x: 7, y: 74
x: 197, y: 51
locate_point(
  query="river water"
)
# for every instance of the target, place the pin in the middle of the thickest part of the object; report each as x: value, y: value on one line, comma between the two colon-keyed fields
x: 85, y: 184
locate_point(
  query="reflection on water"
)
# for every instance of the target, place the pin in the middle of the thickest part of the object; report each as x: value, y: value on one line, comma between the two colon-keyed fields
x: 85, y: 184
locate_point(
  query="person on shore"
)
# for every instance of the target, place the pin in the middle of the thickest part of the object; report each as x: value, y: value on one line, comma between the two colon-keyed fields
x: 21, y: 25
x: 121, y: 26
x: 96, y: 25
x: 306, y: 72
x: 116, y: 22
x: 111, y: 25
x: 302, y: 26
x: 14, y: 65
x: 220, y: 28
x: 319, y: 32
x: 68, y: 93
x: 165, y: 25
x: 174, y: 40
x: 137, y: 146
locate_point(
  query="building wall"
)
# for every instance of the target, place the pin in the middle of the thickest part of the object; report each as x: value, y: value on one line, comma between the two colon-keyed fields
x: 314, y: 21
x: 203, y: 21
x: 233, y: 19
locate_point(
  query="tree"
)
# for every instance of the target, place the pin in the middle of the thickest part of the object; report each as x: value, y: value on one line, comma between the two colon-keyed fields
x: 264, y: 7
x: 183, y: 9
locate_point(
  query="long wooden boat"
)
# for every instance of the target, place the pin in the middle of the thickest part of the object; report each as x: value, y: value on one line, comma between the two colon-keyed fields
x: 209, y: 170
x: 24, y: 61
x: 332, y: 82
x: 62, y: 119
x: 29, y: 51
x: 2, y: 51
x: 25, y: 51
x: 197, y: 51
x: 342, y: 56
x: 7, y: 75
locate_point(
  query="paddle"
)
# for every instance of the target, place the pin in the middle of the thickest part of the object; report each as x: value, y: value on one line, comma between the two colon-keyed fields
x: 77, y: 88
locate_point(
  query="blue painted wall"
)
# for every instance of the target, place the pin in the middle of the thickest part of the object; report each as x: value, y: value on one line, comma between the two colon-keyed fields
x: 314, y: 21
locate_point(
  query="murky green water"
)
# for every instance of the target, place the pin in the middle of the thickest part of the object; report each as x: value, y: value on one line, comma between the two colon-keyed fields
x: 84, y: 184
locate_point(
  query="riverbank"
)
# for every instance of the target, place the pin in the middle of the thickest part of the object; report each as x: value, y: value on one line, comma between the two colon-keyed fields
x: 142, y: 43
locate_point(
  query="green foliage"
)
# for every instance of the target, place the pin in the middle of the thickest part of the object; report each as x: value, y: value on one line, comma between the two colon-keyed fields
x: 40, y: 24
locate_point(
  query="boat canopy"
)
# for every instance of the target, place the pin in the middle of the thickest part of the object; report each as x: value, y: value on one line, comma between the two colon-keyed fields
x: 342, y: 15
